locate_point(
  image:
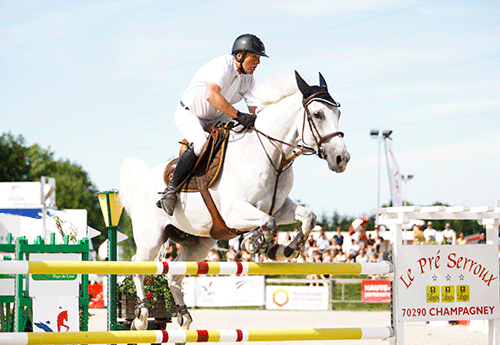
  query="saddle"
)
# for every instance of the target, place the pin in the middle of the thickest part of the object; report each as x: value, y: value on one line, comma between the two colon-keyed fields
x: 205, y: 173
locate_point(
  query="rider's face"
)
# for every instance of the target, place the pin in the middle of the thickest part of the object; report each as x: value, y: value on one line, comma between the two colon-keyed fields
x: 250, y: 63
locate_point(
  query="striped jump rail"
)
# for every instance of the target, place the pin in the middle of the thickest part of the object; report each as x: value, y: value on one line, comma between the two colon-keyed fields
x: 193, y: 336
x: 213, y: 268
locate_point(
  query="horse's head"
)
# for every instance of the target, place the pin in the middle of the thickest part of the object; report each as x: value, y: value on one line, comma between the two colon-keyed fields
x: 320, y: 125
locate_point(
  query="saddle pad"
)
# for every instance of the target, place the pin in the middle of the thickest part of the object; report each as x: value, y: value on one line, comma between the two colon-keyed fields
x: 208, y: 165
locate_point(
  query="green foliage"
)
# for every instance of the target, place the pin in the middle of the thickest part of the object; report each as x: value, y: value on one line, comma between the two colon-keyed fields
x: 128, y: 245
x: 14, y: 163
x: 155, y: 287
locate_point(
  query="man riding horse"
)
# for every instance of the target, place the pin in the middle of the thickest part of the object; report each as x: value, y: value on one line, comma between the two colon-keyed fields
x: 209, y: 100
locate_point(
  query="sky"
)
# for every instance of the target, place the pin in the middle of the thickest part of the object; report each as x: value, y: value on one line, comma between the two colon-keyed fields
x: 98, y: 81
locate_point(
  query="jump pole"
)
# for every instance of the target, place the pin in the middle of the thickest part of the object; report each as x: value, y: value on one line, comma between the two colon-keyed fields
x: 192, y: 336
x: 220, y: 268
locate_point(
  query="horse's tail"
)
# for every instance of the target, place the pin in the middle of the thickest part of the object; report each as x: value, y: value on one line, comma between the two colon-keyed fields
x: 130, y: 177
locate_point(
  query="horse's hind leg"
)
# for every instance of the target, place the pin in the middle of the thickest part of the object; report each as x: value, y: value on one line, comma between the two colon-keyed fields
x: 192, y: 249
x: 291, y: 212
x: 148, y: 244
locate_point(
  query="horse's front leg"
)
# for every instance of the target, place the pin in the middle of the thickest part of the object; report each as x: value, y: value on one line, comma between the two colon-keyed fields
x: 244, y: 215
x: 289, y: 213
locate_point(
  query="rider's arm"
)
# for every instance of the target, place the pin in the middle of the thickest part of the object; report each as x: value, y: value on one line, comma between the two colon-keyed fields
x: 214, y: 97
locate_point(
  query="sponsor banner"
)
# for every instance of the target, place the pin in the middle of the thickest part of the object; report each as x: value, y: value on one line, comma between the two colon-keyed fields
x: 375, y: 291
x: 54, y: 284
x: 224, y: 291
x: 448, y: 282
x: 297, y: 297
x: 55, y: 314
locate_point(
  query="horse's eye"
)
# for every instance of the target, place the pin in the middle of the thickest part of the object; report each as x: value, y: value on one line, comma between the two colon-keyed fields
x: 318, y: 114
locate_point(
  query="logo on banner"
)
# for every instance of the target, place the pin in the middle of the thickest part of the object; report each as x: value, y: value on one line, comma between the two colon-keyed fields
x: 280, y: 297
x: 62, y: 319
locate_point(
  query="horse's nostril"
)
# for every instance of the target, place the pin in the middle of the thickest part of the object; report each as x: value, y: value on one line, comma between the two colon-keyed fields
x: 339, y: 159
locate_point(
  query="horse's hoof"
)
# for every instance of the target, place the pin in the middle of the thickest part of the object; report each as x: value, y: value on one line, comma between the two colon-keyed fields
x: 288, y: 251
x: 249, y: 246
x: 139, y: 325
x: 272, y: 252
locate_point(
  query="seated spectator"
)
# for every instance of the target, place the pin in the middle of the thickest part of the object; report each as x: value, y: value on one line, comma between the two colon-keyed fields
x: 245, y: 256
x: 322, y: 242
x: 339, y: 237
x: 311, y: 248
x: 231, y: 254
x: 340, y: 257
x: 374, y: 258
x: 461, y: 239
x: 327, y: 256
x: 482, y: 238
x: 361, y: 257
x: 353, y: 249
x: 213, y: 255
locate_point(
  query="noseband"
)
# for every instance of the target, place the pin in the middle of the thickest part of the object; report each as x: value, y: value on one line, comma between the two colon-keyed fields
x: 321, y: 96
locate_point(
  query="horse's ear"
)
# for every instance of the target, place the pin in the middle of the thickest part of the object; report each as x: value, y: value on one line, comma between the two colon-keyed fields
x: 322, y: 81
x: 304, y: 88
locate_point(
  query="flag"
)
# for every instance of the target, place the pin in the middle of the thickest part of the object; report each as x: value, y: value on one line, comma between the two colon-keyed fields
x: 395, y: 178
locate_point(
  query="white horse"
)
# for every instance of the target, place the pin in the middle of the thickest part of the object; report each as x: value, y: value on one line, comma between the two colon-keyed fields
x: 249, y: 194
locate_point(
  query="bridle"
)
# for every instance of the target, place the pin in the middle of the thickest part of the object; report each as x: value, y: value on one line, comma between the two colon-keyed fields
x: 320, y: 96
x: 286, y: 162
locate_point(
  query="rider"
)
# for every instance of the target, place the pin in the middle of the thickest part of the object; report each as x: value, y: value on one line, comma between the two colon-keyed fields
x: 208, y: 100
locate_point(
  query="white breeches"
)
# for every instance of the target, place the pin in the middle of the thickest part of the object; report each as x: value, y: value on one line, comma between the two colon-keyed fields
x: 194, y: 129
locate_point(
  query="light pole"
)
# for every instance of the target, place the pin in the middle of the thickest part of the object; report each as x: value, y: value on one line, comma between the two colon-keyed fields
x: 374, y: 133
x: 112, y: 211
x: 406, y: 178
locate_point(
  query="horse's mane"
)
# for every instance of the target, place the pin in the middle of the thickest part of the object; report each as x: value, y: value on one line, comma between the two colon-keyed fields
x: 273, y: 90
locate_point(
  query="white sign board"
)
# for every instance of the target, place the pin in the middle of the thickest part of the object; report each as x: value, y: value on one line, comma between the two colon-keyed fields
x: 224, y: 291
x: 56, y: 314
x: 54, y: 284
x: 297, y: 297
x: 20, y: 193
x: 447, y: 282
x: 7, y: 284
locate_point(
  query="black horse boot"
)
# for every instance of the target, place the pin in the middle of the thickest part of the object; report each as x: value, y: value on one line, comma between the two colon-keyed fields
x: 184, y: 167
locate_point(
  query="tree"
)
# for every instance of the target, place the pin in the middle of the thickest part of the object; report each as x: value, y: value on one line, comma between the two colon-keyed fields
x: 14, y: 163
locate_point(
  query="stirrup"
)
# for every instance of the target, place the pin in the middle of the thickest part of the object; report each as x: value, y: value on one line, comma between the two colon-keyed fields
x: 167, y: 201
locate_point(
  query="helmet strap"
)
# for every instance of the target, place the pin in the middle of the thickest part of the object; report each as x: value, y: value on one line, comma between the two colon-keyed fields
x: 240, y: 61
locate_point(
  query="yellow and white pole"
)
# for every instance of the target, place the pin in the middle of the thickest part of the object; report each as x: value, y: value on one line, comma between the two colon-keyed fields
x: 213, y: 268
x: 192, y: 336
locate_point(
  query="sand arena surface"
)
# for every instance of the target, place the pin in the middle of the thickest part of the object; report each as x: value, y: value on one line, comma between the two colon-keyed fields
x: 416, y: 333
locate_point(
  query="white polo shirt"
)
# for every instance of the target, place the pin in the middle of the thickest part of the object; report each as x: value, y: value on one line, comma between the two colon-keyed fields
x: 223, y: 72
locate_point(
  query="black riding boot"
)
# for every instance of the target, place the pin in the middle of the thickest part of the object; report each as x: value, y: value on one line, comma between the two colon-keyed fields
x: 184, y: 167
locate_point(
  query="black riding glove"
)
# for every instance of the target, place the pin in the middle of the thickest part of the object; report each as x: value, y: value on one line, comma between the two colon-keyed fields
x: 247, y: 120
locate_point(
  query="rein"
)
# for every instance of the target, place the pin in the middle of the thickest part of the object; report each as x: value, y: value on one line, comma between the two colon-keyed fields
x: 286, y: 162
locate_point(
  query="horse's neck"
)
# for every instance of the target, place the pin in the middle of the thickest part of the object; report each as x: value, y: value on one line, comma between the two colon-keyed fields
x: 280, y: 121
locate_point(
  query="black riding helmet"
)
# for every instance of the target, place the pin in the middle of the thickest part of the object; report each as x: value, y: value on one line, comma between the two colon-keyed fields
x: 248, y: 43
